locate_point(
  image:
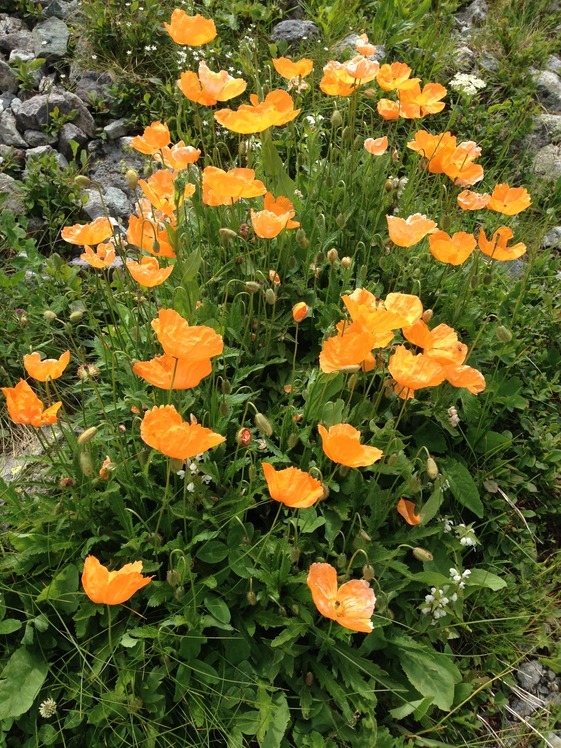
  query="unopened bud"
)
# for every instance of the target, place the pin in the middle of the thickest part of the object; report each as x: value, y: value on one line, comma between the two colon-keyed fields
x: 294, y: 554
x: 346, y: 262
x: 251, y: 597
x: 270, y: 297
x: 302, y: 239
x: 223, y: 408
x: 364, y: 535
x: 252, y: 287
x: 445, y: 222
x: 352, y: 369
x: 132, y: 178
x: 292, y: 440
x: 173, y: 577
x: 347, y: 133
x: 487, y: 279
x: 336, y: 118
x: 179, y: 593
x: 392, y: 459
x: 504, y: 334
x: 24, y: 320
x: 414, y: 484
x: 263, y: 424
x: 227, y: 235
x: 368, y: 572
x: 326, y: 491
x: 87, y: 435
x: 82, y: 180
x: 226, y: 387
x: 432, y: 468
x: 427, y: 315
x: 300, y: 311
x: 421, y: 554
x: 242, y: 148
x: 343, y: 471
x: 340, y: 220
x: 122, y: 428
x: 244, y: 230
x: 66, y: 483
x: 243, y: 437
x: 332, y: 255
x: 49, y: 315
x: 86, y: 464
x: 309, y: 679
x: 388, y: 186
x: 75, y: 316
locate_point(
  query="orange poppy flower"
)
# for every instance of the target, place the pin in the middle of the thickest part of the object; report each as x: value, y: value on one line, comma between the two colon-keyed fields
x: 351, y: 604
x: 227, y: 187
x: 193, y: 31
x: 441, y: 344
x: 292, y: 487
x: 155, y: 137
x: 112, y: 587
x: 458, y: 164
x: 497, y: 249
x: 363, y: 46
x: 409, y: 231
x: 468, y: 200
x: 336, y: 81
x: 414, y: 372
x: 407, y: 510
x: 290, y: 70
x: 349, y: 347
x: 167, y: 372
x: 162, y: 428
x: 415, y: 103
x: 178, y: 157
x: 88, y: 233
x: 394, y: 76
x: 106, y: 468
x: 208, y: 88
x: 509, y: 200
x: 25, y: 407
x: 147, y: 272
x: 361, y: 69
x: 277, y: 109
x: 300, y: 311
x: 432, y: 148
x: 376, y: 146
x: 465, y: 376
x: 275, y: 217
x: 341, y: 443
x: 49, y: 368
x: 103, y: 257
x: 388, y: 109
x: 149, y: 236
x: 453, y: 250
x: 180, y: 340
x: 160, y: 191
x: 408, y: 308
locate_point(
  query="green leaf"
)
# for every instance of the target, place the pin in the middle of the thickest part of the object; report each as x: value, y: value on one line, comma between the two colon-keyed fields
x: 482, y: 578
x: 9, y: 625
x: 20, y: 682
x: 217, y: 608
x: 62, y: 591
x: 213, y: 552
x: 431, y: 673
x: 462, y: 485
x: 431, y: 507
x: 278, y: 720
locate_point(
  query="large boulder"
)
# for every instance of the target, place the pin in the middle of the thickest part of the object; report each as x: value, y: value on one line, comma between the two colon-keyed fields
x: 9, y: 134
x: 34, y: 113
x: 294, y: 31
x: 52, y: 39
x: 547, y: 162
x: 549, y: 90
x: 10, y: 189
x: 8, y: 81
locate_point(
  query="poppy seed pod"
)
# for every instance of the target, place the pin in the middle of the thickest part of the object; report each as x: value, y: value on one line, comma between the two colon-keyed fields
x: 87, y: 435
x: 421, y: 554
x: 263, y: 424
x: 504, y: 334
x: 252, y: 287
x: 432, y: 468
x: 82, y: 180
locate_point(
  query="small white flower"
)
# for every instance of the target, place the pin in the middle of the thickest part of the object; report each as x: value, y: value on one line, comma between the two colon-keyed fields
x: 129, y: 51
x: 206, y: 479
x: 94, y: 57
x: 47, y: 708
x: 180, y: 474
x: 190, y: 487
x: 467, y: 84
x: 453, y: 417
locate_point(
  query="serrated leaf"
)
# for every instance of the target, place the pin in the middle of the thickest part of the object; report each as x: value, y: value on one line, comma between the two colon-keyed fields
x: 20, y: 682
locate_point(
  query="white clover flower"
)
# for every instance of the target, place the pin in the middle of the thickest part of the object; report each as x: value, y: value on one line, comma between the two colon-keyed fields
x: 466, y: 84
x: 47, y: 708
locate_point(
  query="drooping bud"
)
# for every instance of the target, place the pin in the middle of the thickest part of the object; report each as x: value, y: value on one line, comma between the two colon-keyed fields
x: 340, y: 220
x: 263, y: 424
x: 86, y: 464
x: 368, y: 572
x: 251, y: 597
x: 173, y: 577
x: 292, y: 440
x: 347, y: 133
x: 270, y: 297
x: 309, y: 679
x: 82, y: 180
x: 427, y: 316
x: 432, y: 468
x: 388, y: 186
x: 421, y: 554
x: 252, y: 287
x: 223, y: 408
x: 132, y: 178
x: 75, y: 316
x: 302, y: 239
x: 504, y: 334
x: 300, y: 311
x: 49, y: 315
x: 332, y: 255
x: 227, y: 235
x: 87, y: 435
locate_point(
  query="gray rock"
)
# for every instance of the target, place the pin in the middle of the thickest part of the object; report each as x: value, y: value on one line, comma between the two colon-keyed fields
x: 60, y: 9
x: 12, y: 190
x: 8, y: 81
x: 547, y: 129
x: 22, y: 40
x: 348, y: 45
x: 464, y: 58
x: 9, y: 134
x: 69, y: 133
x: 294, y: 31
x: 36, y: 138
x: 93, y: 85
x: 116, y: 129
x: 6, y: 100
x: 34, y: 113
x: 52, y: 38
x: 549, y: 91
x: 15, y: 105
x: 554, y: 64
x: 21, y: 55
x: 529, y: 675
x: 11, y: 24
x: 552, y: 238
x: 109, y: 162
x: 116, y: 202
x: 553, y: 740
x: 547, y: 162
x: 489, y: 62
x: 474, y: 15
x: 43, y: 150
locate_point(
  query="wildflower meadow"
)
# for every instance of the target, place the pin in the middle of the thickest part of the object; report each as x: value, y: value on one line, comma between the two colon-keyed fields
x: 291, y: 427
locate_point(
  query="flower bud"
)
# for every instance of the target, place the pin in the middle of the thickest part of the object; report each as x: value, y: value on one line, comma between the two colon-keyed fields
x: 243, y: 437
x: 427, y: 315
x: 66, y: 483
x: 352, y: 369
x: 75, y: 316
x: 294, y: 554
x: 226, y: 387
x: 347, y: 133
x: 49, y: 315
x: 179, y: 593
x: 364, y: 535
x: 336, y: 118
x: 263, y: 424
x: 432, y: 468
x: 368, y: 572
x: 223, y: 408
x: 86, y: 464
x: 300, y: 311
x: 332, y: 255
x: 173, y: 577
x: 82, y: 180
x: 87, y: 435
x: 251, y: 597
x: 421, y: 554
x: 487, y: 279
x: 132, y: 178
x: 388, y: 186
x: 227, y: 235
x: 309, y: 679
x: 445, y: 222
x: 244, y: 230
x: 504, y: 334
x: 340, y: 220
x: 302, y: 239
x: 252, y: 287
x: 270, y: 297
x: 346, y: 262
x: 292, y: 440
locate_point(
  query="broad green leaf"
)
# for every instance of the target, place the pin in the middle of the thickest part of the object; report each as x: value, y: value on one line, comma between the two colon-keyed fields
x: 431, y: 507
x: 462, y: 486
x: 213, y: 552
x: 482, y: 578
x: 217, y: 608
x: 20, y: 682
x: 62, y: 591
x: 279, y: 718
x: 9, y: 625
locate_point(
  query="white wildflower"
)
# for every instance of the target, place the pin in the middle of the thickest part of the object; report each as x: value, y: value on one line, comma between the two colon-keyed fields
x: 47, y: 708
x: 453, y: 417
x: 190, y: 487
x: 467, y: 84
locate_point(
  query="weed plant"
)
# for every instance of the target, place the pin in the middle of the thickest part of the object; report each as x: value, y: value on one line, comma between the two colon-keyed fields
x: 236, y: 350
